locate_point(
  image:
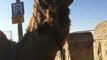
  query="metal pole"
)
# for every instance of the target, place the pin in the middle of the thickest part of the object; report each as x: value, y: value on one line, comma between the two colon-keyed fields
x: 17, y: 1
x: 20, y: 30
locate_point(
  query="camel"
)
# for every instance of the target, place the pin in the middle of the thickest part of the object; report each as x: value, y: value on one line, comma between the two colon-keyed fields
x: 47, y: 30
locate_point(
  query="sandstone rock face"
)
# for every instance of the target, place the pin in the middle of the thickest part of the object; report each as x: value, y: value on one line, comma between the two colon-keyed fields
x: 101, y: 31
x: 81, y: 46
x: 100, y: 43
x: 66, y: 53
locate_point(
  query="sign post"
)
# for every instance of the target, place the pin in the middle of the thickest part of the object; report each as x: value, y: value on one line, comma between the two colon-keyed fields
x: 17, y: 16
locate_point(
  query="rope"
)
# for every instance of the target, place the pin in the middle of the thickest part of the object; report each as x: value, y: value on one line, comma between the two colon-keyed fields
x: 39, y: 8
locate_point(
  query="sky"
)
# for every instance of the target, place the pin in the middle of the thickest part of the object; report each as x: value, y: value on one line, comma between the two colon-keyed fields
x: 84, y: 15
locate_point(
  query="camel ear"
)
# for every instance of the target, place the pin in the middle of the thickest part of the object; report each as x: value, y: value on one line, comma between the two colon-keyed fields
x: 68, y: 2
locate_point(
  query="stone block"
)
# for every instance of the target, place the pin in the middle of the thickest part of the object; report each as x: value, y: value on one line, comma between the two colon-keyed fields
x: 81, y: 46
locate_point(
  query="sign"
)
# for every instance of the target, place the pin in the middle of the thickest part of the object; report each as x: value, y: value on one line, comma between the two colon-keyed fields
x: 17, y: 12
x: 17, y: 19
x: 17, y: 9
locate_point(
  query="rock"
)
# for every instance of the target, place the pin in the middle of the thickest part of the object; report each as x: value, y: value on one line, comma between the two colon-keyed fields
x: 101, y: 31
x: 66, y: 52
x: 100, y: 43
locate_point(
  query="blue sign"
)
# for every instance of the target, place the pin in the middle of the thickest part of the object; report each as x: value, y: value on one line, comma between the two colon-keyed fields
x: 17, y: 9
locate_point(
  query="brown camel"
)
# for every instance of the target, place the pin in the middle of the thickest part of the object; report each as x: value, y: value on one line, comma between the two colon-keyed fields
x: 5, y: 53
x: 47, y: 30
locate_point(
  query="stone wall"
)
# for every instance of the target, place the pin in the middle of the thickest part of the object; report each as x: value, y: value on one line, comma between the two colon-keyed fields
x: 100, y: 43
